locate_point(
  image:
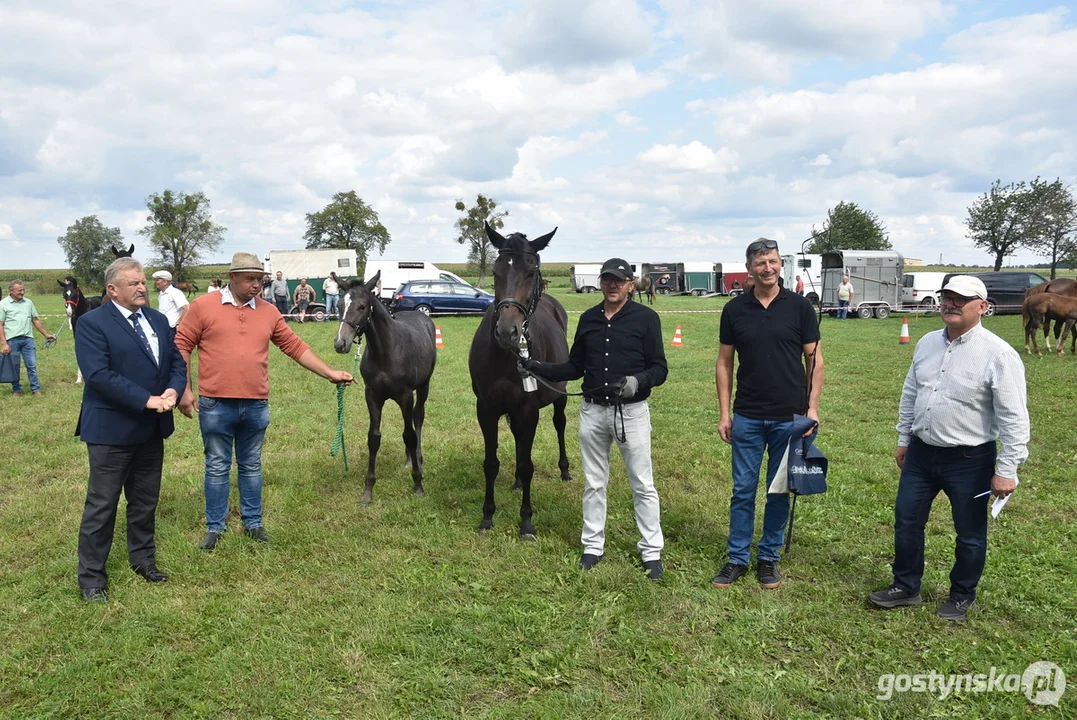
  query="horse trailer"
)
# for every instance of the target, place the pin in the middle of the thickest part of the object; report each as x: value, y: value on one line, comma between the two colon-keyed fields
x: 809, y: 268
x: 702, y: 278
x: 585, y: 277
x: 668, y: 278
x: 315, y: 266
x: 876, y: 277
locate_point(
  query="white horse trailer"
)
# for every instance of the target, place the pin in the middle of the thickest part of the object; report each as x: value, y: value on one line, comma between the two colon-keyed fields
x: 876, y: 277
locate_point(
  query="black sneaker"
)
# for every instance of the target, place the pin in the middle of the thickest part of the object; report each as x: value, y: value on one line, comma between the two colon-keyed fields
x: 729, y: 574
x: 956, y: 610
x: 766, y: 572
x: 893, y: 597
x: 210, y: 541
x: 588, y: 561
x: 257, y: 533
x: 654, y: 569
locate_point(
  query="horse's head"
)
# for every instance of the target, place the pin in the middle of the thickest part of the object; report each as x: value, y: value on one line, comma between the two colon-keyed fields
x: 356, y: 309
x: 71, y: 293
x: 121, y: 253
x: 517, y: 284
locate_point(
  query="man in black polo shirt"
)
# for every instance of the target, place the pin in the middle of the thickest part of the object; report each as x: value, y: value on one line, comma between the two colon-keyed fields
x: 776, y: 336
x: 618, y: 353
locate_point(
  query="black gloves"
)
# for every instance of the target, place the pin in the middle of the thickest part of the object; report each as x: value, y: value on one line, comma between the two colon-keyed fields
x: 528, y: 367
x: 627, y: 387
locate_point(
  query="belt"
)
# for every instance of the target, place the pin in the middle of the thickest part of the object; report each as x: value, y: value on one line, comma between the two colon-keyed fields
x: 600, y: 400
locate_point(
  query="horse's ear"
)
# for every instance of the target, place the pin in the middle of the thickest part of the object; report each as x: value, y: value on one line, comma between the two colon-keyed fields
x: 62, y: 284
x: 539, y: 244
x: 372, y: 283
x: 131, y: 250
x: 495, y: 237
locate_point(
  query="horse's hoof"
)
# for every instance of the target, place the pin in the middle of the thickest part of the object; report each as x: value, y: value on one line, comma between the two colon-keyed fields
x: 517, y: 486
x: 566, y: 478
x: 529, y: 537
x: 483, y: 531
x: 419, y: 492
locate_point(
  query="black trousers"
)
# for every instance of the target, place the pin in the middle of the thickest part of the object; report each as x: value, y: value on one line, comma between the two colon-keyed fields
x: 136, y: 471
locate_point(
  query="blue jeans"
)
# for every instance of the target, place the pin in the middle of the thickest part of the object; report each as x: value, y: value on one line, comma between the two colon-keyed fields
x: 331, y: 306
x: 961, y: 473
x: 843, y: 309
x: 226, y: 422
x: 282, y: 305
x: 25, y: 347
x: 750, y: 437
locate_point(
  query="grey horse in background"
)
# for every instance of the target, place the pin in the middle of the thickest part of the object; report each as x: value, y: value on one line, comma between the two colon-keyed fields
x: 645, y: 285
x: 397, y: 365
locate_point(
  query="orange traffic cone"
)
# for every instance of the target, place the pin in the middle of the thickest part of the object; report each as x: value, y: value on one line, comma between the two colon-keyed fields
x: 678, y: 341
x: 437, y: 337
x: 904, y: 339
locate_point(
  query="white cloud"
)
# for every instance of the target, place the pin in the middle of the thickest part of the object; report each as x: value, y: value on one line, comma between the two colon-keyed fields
x: 821, y: 160
x: 693, y: 157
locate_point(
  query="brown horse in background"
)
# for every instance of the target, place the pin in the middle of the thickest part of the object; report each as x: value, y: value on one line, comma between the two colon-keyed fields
x: 643, y: 285
x: 1042, y: 308
x: 1058, y: 286
x: 187, y: 287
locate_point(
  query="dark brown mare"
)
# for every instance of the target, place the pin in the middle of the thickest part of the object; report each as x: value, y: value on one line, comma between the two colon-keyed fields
x: 645, y: 285
x: 520, y: 312
x: 397, y: 364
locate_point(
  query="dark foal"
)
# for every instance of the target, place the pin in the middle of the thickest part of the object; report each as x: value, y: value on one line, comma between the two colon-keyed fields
x: 521, y: 311
x: 397, y: 365
x: 76, y: 304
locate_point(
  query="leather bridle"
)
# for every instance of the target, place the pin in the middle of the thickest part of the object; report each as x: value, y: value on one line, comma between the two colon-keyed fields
x: 533, y: 301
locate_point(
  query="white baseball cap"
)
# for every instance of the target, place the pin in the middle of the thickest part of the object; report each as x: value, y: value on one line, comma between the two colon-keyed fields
x: 967, y: 286
x: 163, y: 275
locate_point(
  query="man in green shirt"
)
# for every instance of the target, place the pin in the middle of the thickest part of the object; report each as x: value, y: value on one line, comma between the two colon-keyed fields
x: 17, y: 316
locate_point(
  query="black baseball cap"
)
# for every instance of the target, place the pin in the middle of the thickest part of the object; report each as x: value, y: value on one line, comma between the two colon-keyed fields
x: 618, y: 268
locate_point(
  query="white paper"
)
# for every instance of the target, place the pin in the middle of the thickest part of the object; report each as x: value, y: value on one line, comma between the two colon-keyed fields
x: 1000, y: 502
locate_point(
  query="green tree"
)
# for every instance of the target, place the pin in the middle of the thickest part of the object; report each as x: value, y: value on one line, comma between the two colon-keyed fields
x: 1053, y: 229
x: 472, y: 232
x: 1003, y: 219
x: 347, y: 223
x: 181, y: 230
x: 847, y: 227
x: 87, y: 247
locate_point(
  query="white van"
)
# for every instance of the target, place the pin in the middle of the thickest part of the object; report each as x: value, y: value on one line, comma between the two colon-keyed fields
x: 921, y: 289
x: 395, y: 273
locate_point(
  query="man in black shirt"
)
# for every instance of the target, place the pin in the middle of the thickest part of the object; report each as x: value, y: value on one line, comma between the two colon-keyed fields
x: 776, y: 336
x: 618, y: 353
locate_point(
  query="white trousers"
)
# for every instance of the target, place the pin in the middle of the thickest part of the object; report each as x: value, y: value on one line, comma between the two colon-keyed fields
x: 597, y: 434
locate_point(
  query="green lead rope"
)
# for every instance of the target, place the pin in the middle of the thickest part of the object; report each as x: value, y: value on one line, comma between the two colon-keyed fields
x: 338, y: 441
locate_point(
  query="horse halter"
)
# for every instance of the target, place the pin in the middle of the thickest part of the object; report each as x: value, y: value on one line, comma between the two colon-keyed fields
x: 536, y: 292
x: 360, y: 331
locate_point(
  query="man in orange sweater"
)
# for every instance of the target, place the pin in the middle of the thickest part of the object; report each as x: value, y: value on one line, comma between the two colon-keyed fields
x: 232, y: 330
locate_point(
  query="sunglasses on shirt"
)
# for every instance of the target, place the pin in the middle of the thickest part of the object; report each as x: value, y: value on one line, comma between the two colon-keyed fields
x: 760, y: 245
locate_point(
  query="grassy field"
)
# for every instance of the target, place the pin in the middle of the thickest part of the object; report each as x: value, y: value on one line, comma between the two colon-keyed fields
x: 402, y: 610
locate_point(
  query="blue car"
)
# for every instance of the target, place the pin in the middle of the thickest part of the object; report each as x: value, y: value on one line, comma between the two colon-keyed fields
x: 438, y: 297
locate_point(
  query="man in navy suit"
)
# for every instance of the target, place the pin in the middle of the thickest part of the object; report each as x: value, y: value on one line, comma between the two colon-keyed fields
x: 134, y: 376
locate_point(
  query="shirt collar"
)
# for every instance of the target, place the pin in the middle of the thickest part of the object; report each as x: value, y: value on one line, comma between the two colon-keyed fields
x: 226, y: 298
x: 964, y: 336
x: 126, y: 313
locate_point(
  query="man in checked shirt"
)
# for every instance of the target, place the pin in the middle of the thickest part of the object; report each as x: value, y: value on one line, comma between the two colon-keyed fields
x: 964, y: 390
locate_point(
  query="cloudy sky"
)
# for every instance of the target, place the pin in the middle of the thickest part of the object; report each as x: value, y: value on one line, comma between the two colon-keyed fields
x: 661, y: 131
